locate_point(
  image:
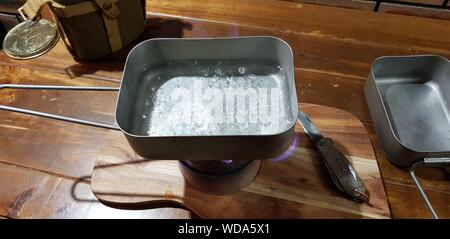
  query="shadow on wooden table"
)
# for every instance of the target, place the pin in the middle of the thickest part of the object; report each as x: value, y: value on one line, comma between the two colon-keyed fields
x: 137, y: 206
x: 155, y: 28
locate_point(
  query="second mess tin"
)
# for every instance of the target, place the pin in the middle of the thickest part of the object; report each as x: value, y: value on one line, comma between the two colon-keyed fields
x: 408, y: 99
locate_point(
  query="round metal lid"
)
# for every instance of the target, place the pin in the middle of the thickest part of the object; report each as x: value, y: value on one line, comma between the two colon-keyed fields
x: 30, y: 39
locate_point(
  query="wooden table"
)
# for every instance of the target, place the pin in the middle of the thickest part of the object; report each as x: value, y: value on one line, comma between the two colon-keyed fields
x: 45, y: 165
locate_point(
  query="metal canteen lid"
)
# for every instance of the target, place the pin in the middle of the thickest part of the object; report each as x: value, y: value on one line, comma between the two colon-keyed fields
x: 30, y: 39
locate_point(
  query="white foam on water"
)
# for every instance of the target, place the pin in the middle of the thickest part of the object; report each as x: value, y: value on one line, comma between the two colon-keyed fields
x: 204, y: 103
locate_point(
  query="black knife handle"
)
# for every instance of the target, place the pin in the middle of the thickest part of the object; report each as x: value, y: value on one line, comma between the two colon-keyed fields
x: 341, y: 171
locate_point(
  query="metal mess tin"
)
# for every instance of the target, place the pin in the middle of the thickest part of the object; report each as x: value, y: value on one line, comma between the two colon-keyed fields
x: 158, y: 71
x: 408, y: 98
x: 217, y: 105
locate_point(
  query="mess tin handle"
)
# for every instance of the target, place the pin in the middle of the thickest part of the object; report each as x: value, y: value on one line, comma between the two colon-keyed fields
x: 54, y: 116
x: 427, y: 162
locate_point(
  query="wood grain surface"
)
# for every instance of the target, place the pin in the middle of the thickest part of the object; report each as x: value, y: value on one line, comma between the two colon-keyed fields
x: 296, y: 187
x: 333, y: 47
x: 429, y: 2
x: 438, y: 13
x: 354, y: 4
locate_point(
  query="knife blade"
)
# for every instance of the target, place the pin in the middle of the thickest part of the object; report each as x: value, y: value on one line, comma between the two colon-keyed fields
x: 341, y: 171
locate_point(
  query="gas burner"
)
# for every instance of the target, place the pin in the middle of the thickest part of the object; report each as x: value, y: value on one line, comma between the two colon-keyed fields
x: 219, y: 177
x: 226, y: 176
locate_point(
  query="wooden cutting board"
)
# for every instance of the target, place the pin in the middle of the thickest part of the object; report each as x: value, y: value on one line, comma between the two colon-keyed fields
x: 297, y: 187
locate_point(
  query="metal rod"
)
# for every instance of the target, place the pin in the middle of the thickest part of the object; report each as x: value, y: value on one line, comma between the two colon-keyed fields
x: 58, y: 117
x: 58, y: 87
x: 419, y: 186
x: 54, y: 116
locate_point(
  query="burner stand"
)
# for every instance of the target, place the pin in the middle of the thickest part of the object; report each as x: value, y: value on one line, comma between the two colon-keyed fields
x: 219, y: 177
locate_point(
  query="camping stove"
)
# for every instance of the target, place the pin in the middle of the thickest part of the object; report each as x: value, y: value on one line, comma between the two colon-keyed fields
x: 219, y: 176
x: 226, y: 176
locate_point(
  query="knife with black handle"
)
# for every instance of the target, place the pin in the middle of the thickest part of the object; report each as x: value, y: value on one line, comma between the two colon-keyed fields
x: 341, y: 171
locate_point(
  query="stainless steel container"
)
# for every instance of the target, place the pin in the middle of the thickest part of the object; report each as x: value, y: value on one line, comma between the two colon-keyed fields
x: 408, y: 98
x: 158, y: 68
x: 409, y: 101
x: 217, y: 105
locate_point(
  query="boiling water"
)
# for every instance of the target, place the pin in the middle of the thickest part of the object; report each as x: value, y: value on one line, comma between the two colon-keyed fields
x: 204, y: 98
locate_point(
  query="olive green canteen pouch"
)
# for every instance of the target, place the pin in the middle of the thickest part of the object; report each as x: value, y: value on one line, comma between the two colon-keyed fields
x: 93, y: 28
